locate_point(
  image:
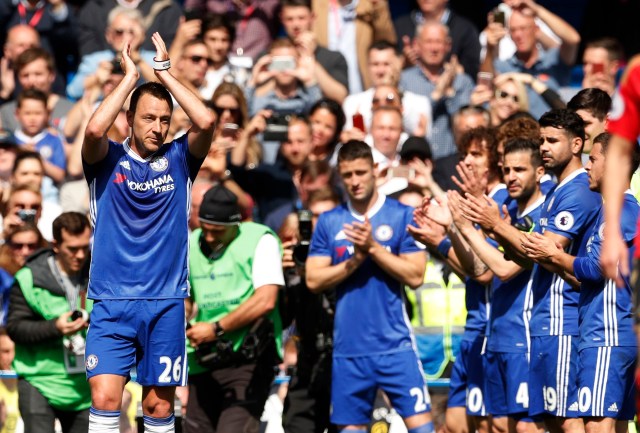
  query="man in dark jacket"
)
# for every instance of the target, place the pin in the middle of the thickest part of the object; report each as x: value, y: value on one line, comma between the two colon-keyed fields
x: 48, y: 315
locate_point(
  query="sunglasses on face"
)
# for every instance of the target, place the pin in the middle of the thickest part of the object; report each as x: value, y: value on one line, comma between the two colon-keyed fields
x: 120, y: 32
x: 198, y: 59
x: 501, y: 94
x: 388, y: 100
x: 234, y: 112
x: 23, y: 245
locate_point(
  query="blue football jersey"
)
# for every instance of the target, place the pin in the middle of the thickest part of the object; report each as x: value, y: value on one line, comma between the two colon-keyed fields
x: 512, y: 300
x: 477, y: 295
x: 48, y: 145
x: 570, y: 209
x: 139, y: 210
x: 370, y: 313
x: 605, y: 310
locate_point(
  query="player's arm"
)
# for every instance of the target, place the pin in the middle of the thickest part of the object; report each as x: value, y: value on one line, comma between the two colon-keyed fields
x: 203, y: 121
x: 491, y: 256
x: 96, y: 144
x: 614, y: 250
x: 321, y: 275
x: 548, y: 251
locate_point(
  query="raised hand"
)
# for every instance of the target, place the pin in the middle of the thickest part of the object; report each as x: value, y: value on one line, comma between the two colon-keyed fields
x: 454, y: 203
x: 439, y: 213
x: 126, y: 63
x: 161, y: 49
x: 540, y: 248
x: 360, y: 234
x: 428, y: 232
x: 481, y: 210
x: 470, y: 182
x: 409, y: 50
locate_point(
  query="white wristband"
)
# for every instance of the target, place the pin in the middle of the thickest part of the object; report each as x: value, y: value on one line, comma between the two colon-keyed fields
x: 161, y: 65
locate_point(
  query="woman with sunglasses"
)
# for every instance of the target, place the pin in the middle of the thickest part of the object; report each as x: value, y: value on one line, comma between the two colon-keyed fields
x: 506, y: 97
x: 327, y: 120
x: 233, y: 134
x: 19, y: 244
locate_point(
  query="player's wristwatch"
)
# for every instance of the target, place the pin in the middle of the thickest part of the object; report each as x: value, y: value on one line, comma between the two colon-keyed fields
x: 218, y: 330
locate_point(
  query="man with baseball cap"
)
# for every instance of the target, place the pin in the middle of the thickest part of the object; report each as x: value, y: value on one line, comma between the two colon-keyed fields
x: 235, y: 272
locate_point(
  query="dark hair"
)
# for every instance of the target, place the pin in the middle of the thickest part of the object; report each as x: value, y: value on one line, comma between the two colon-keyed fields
x: 525, y: 145
x: 31, y: 55
x: 215, y: 22
x: 519, y: 115
x: 315, y: 169
x: 467, y: 110
x: 485, y: 138
x: 604, y: 138
x: 354, y: 149
x: 383, y: 45
x: 519, y: 127
x: 334, y: 108
x: 295, y: 3
x: 154, y: 89
x: 73, y: 223
x: 7, y: 258
x: 24, y: 155
x: 612, y: 45
x: 34, y: 94
x: 563, y: 118
x: 282, y: 43
x: 191, y: 43
x: 323, y: 194
x: 595, y: 101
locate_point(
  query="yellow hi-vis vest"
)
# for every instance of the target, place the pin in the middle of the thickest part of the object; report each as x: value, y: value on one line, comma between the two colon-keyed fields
x: 439, y: 315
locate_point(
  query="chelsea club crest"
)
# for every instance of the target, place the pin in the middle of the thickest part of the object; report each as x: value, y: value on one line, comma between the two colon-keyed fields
x: 159, y: 163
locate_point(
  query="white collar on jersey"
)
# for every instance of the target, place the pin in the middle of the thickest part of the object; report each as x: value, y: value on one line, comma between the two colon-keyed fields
x: 133, y: 154
x: 371, y: 213
x: 496, y: 188
x: 531, y: 207
x: 570, y: 178
x: 20, y: 135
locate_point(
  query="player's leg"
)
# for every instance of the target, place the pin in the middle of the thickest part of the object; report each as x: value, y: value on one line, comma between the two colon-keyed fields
x: 607, y: 388
x: 157, y: 408
x: 110, y: 356
x: 526, y: 425
x: 553, y: 383
x: 163, y: 364
x: 353, y: 391
x: 456, y: 420
x: 401, y: 377
x: 476, y: 397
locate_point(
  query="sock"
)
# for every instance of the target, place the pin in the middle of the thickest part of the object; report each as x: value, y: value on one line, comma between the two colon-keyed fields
x: 358, y: 430
x: 104, y: 421
x: 159, y: 425
x: 424, y: 428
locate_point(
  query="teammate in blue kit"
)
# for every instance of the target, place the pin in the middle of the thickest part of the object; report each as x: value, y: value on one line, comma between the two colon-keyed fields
x: 568, y: 211
x: 140, y: 194
x: 479, y: 174
x: 506, y: 359
x: 362, y: 248
x: 607, y: 346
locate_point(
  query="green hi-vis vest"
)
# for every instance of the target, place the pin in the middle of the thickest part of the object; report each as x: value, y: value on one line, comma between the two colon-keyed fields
x: 43, y: 364
x: 439, y: 315
x: 219, y: 286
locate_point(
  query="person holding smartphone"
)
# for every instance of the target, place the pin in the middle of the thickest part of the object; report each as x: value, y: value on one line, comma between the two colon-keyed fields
x: 601, y: 61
